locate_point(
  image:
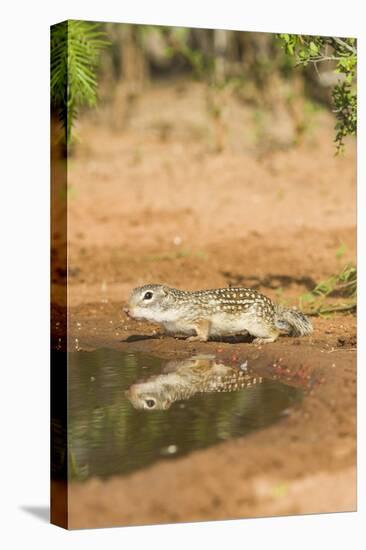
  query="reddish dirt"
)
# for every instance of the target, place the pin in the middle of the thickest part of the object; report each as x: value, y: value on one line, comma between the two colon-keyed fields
x: 155, y: 203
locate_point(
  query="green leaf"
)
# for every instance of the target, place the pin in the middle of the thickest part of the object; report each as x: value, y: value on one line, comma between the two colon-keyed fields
x: 341, y: 250
x: 313, y: 48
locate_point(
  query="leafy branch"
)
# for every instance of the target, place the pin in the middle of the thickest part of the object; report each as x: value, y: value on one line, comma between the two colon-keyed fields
x: 343, y: 53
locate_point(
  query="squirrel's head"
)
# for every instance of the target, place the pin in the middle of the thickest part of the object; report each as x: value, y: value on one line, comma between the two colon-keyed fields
x: 149, y: 302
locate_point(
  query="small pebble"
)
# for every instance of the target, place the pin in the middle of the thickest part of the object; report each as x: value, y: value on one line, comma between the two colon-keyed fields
x: 177, y: 240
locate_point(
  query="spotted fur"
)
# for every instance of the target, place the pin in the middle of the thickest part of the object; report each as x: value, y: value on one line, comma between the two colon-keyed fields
x: 221, y: 312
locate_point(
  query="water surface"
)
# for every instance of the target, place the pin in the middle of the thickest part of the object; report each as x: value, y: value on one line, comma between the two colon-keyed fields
x: 108, y: 435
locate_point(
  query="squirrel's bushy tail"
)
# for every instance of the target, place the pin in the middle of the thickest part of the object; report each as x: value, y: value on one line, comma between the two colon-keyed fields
x: 292, y: 321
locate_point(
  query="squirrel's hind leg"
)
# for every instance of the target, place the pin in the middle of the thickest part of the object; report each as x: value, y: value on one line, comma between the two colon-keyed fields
x: 265, y: 340
x: 270, y: 336
x: 202, y: 328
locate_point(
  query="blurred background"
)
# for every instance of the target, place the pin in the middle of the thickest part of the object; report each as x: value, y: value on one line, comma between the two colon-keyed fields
x: 203, y: 157
x: 234, y: 90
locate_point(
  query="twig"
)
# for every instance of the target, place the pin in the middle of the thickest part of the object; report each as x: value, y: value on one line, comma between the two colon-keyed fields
x: 345, y: 45
x: 342, y: 286
x: 319, y: 59
x: 319, y: 311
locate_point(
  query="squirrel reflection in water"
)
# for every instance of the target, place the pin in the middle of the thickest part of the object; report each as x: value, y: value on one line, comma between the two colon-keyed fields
x: 183, y: 379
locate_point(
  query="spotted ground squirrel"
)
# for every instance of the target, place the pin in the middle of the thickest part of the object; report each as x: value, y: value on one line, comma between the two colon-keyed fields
x: 206, y: 314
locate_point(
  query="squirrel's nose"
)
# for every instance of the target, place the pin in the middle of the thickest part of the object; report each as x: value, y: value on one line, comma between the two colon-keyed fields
x: 126, y: 310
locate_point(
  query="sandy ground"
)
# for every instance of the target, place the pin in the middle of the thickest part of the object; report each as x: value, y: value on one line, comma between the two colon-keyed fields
x: 156, y: 203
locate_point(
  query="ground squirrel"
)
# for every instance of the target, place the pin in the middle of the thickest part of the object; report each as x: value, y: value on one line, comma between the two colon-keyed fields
x: 205, y: 314
x: 186, y: 378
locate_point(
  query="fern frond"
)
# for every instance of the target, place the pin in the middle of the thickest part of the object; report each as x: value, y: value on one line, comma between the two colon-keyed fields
x: 75, y: 53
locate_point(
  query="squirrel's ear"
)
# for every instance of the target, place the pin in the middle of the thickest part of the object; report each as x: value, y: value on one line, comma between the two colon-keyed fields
x: 164, y: 291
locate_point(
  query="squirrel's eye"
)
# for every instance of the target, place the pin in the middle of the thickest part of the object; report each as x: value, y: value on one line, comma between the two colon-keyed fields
x: 150, y: 403
x: 148, y: 295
